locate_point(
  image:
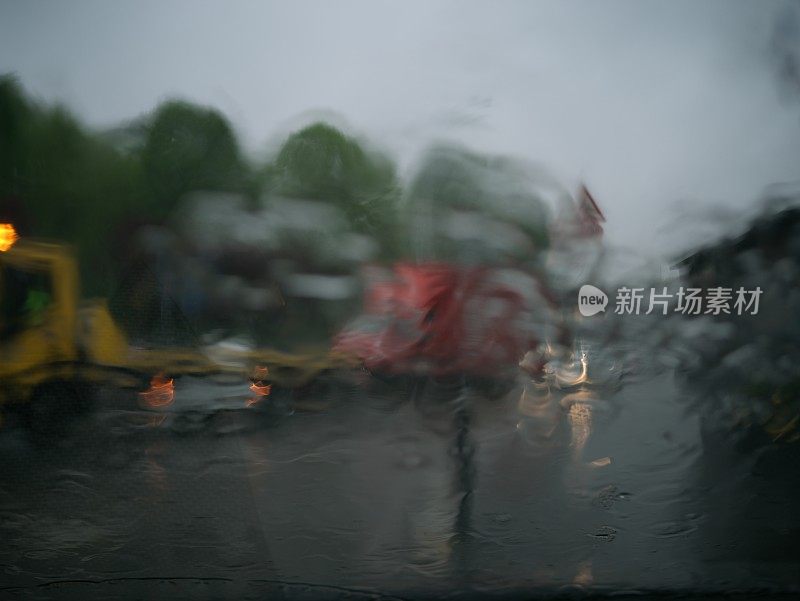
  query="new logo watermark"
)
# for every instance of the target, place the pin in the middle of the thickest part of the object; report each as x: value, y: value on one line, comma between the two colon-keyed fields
x: 687, y: 301
x: 591, y: 300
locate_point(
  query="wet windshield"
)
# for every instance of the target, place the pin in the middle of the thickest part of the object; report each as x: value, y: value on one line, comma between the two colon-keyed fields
x: 400, y: 301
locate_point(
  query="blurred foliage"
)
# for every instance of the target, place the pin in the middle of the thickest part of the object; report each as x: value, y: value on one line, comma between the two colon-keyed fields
x: 189, y: 148
x: 451, y: 179
x: 72, y: 185
x: 95, y: 189
x: 86, y: 188
x: 319, y: 162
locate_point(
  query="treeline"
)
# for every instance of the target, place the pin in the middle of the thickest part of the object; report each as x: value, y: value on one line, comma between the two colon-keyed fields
x: 97, y: 189
x: 62, y: 181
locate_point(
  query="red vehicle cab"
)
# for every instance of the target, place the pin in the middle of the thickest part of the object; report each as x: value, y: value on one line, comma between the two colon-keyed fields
x: 443, y: 319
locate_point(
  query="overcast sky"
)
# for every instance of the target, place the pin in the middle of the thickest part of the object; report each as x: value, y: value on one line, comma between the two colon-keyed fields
x: 651, y: 103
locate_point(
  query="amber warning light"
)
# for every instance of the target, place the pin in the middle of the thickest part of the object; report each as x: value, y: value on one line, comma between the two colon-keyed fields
x: 8, y: 235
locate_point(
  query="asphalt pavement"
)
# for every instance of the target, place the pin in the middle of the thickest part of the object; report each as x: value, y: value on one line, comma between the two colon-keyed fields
x: 365, y: 489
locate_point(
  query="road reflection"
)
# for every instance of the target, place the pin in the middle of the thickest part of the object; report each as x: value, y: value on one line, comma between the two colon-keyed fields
x: 435, y: 490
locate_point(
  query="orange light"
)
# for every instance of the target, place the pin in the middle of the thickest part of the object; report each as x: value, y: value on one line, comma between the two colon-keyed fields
x: 257, y: 386
x: 260, y: 388
x: 8, y: 235
x: 161, y: 392
x: 261, y: 391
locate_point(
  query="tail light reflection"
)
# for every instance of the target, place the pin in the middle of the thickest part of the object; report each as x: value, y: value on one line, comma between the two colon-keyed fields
x: 160, y: 394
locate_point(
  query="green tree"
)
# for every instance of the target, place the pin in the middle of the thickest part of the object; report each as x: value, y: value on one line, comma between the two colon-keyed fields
x: 320, y: 162
x: 188, y: 148
x: 17, y: 117
x: 495, y: 188
x: 74, y: 187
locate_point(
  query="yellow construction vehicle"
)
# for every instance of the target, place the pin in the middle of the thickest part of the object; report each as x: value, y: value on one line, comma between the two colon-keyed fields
x: 53, y: 346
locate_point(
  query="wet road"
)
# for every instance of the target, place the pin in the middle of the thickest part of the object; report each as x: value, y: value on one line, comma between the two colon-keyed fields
x: 367, y: 489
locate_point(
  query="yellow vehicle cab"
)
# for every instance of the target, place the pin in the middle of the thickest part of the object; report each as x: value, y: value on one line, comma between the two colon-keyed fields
x: 52, y: 344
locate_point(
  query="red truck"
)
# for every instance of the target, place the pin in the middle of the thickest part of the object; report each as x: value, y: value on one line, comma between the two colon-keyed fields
x: 443, y: 319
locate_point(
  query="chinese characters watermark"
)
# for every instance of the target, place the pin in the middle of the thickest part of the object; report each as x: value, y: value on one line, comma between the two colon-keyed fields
x: 687, y: 301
